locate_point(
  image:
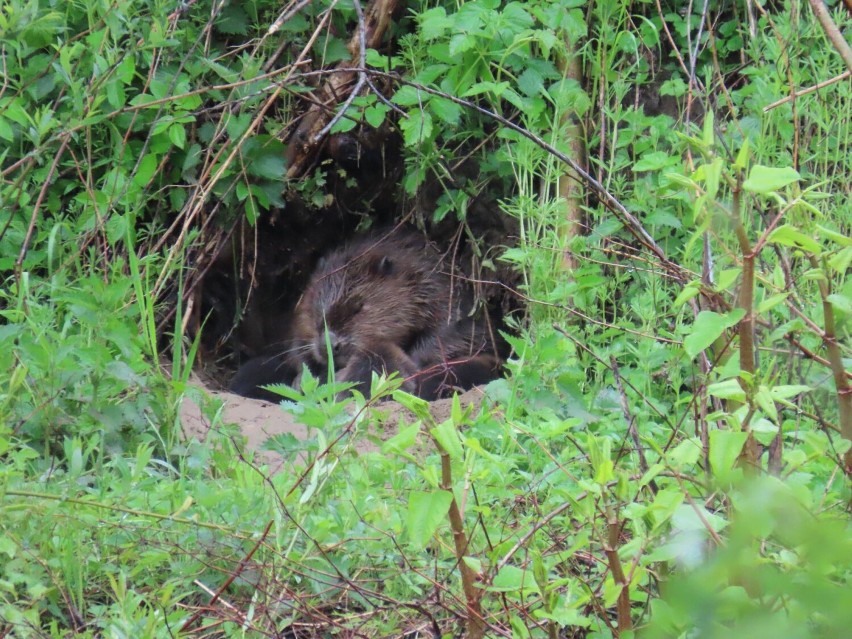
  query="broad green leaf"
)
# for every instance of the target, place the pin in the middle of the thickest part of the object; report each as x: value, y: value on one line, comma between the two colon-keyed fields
x: 771, y: 302
x: 433, y: 23
x: 513, y: 579
x: 786, y: 392
x: 426, y: 511
x: 416, y: 128
x: 409, y: 96
x: 418, y: 406
x: 707, y: 329
x: 653, y: 161
x: 689, y: 291
x: 843, y: 240
x: 764, y: 400
x: 765, y: 179
x: 790, y: 236
x: 445, y: 110
x: 840, y: 261
x: 447, y: 436
x: 841, y: 303
x: 727, y: 389
x: 743, y: 155
x: 403, y: 440
x: 725, y: 448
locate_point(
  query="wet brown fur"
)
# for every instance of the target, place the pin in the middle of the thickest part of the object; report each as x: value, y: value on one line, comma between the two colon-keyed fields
x: 386, y: 302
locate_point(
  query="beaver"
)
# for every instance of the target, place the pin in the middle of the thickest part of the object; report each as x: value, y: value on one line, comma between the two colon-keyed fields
x: 385, y: 302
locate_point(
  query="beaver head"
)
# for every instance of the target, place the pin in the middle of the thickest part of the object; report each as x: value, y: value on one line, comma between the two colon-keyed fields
x: 378, y: 290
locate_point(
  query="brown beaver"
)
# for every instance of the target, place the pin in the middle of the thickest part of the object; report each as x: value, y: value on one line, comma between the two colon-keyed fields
x: 385, y: 302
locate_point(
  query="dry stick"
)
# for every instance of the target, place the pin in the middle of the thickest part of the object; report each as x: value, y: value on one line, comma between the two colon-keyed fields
x: 631, y: 421
x: 569, y: 185
x: 239, y: 569
x: 622, y: 606
x: 745, y: 301
x: 305, y: 141
x: 42, y: 193
x: 832, y: 32
x: 475, y: 622
x: 811, y: 89
x: 844, y: 391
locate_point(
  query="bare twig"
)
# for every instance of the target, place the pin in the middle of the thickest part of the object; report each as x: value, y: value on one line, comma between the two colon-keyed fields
x: 832, y: 32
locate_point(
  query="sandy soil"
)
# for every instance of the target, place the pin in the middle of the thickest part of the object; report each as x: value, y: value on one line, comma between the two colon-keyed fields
x: 259, y: 420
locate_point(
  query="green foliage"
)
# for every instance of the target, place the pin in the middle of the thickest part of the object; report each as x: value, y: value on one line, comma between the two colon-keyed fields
x: 614, y: 468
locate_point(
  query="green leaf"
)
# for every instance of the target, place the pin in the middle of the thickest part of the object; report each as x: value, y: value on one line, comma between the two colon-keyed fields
x: 727, y: 389
x: 725, y: 448
x: 787, y: 391
x: 513, y: 579
x: 653, y: 161
x: 419, y: 407
x: 416, y: 128
x: 790, y: 236
x: 426, y: 511
x: 707, y: 329
x: 375, y: 115
x: 829, y: 234
x: 765, y: 179
x: 403, y: 440
x: 433, y: 23
x: 689, y: 291
x: 446, y: 110
x: 771, y: 302
x: 531, y: 82
x: 447, y: 435
x: 146, y: 169
x: 743, y: 155
x: 764, y: 400
x: 409, y: 96
x: 177, y: 134
x: 841, y: 303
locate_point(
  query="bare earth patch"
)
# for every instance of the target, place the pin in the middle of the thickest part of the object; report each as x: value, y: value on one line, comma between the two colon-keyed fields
x: 258, y: 420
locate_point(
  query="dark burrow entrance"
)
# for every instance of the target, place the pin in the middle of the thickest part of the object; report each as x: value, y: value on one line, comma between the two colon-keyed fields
x: 251, y: 300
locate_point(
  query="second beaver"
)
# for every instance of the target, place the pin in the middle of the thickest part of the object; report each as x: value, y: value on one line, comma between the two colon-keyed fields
x: 385, y: 302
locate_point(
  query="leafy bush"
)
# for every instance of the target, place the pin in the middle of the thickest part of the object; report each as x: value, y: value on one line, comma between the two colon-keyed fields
x: 666, y: 457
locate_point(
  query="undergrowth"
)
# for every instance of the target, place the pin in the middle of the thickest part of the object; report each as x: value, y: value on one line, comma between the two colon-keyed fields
x: 668, y: 455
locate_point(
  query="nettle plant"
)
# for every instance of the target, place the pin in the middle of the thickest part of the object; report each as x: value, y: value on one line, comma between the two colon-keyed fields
x: 782, y: 381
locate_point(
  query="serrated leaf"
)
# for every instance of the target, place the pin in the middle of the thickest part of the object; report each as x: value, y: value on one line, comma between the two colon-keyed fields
x: 433, y: 23
x: 416, y: 128
x: 426, y: 511
x: 530, y: 82
x: 765, y: 179
x: 409, y: 96
x: 790, y: 236
x: 707, y: 329
x: 446, y: 110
